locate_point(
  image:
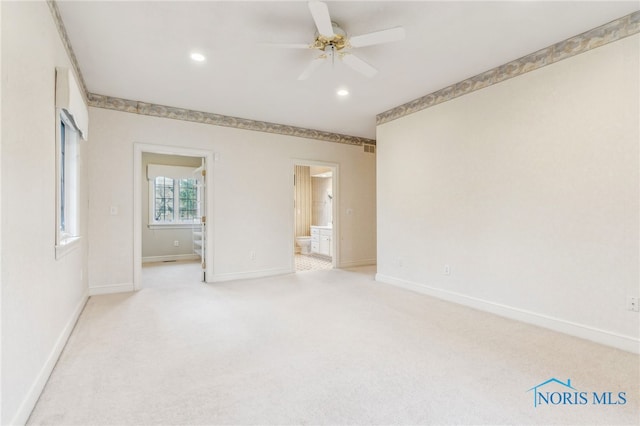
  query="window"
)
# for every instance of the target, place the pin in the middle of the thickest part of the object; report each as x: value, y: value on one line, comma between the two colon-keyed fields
x: 72, y: 124
x: 173, y: 201
x: 67, y: 185
x: 164, y: 199
x: 188, y: 200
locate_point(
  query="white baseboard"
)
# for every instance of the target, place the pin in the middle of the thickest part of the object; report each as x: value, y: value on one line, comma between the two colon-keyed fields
x: 169, y: 258
x: 30, y: 400
x: 249, y: 275
x: 111, y: 288
x: 355, y: 263
x: 626, y: 343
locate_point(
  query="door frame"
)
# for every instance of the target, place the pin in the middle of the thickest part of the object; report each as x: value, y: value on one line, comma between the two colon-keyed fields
x: 335, y: 208
x: 208, y: 156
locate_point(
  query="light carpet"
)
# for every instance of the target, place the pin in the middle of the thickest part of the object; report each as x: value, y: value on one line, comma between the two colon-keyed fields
x: 181, y: 273
x: 325, y: 347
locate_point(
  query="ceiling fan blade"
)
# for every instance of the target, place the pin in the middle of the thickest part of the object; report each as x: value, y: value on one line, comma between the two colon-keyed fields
x: 313, y: 65
x: 288, y: 45
x: 378, y: 37
x: 359, y: 65
x: 320, y: 13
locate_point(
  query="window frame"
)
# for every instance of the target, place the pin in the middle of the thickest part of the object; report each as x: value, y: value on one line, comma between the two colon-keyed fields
x: 176, y: 223
x: 67, y: 184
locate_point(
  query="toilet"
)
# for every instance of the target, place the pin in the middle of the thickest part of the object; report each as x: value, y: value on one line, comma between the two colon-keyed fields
x: 305, y: 244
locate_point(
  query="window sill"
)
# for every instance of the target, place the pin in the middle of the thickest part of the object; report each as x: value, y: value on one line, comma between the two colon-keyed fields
x: 172, y: 225
x: 66, y: 246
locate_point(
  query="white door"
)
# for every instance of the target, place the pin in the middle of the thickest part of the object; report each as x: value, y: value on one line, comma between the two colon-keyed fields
x: 200, y: 231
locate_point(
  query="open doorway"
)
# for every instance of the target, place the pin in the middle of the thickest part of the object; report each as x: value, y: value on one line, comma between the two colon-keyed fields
x: 171, y: 201
x: 171, y: 219
x: 315, y: 224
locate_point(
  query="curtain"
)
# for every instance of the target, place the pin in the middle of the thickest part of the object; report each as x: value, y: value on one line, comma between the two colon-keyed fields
x: 303, y: 201
x: 69, y: 98
x: 173, y: 172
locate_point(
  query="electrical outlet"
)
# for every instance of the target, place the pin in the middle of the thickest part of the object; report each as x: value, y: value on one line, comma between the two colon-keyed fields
x: 447, y: 270
x: 632, y: 304
x: 176, y: 243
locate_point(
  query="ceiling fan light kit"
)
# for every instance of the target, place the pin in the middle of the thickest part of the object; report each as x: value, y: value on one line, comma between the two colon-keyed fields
x: 333, y: 41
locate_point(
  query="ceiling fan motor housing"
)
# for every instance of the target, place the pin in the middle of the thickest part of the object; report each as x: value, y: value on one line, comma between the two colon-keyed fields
x: 337, y: 42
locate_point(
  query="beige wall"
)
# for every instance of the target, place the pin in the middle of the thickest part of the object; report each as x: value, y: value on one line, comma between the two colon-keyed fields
x: 41, y: 296
x: 158, y: 243
x: 321, y: 204
x: 528, y: 190
x: 252, y: 195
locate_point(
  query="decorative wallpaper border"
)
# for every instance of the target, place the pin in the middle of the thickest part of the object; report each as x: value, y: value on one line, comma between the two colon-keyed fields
x: 143, y: 108
x: 138, y: 107
x: 62, y: 30
x: 607, y: 33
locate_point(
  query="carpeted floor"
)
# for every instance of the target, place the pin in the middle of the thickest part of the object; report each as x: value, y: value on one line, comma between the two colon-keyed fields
x: 324, y: 347
x: 183, y: 273
x: 188, y: 273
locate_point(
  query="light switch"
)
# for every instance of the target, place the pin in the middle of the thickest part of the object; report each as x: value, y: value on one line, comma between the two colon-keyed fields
x: 113, y: 210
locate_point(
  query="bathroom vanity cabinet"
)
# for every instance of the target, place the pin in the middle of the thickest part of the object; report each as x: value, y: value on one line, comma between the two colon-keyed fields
x: 321, y: 240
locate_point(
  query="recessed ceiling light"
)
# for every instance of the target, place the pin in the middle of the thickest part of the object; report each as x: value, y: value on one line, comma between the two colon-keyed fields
x: 342, y: 92
x: 198, y: 57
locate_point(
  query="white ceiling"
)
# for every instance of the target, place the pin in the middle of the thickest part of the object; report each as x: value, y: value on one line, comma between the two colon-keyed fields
x: 140, y: 51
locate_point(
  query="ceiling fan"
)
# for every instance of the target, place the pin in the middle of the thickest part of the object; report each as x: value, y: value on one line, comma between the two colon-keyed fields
x: 333, y: 42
